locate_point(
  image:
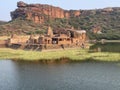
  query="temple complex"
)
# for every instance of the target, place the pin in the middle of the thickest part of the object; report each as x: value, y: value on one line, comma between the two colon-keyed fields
x: 69, y: 39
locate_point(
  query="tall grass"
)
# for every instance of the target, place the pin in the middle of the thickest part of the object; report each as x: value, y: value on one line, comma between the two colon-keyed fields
x: 71, y: 54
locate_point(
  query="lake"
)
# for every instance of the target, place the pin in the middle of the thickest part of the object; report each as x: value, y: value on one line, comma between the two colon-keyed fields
x: 20, y: 75
x: 89, y: 75
x: 106, y: 47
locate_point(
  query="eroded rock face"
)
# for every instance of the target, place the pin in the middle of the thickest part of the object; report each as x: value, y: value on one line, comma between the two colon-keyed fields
x: 96, y: 29
x: 39, y: 13
x: 21, y: 4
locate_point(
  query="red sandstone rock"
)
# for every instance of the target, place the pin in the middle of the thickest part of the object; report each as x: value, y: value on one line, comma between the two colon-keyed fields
x: 21, y: 4
x: 96, y: 29
x: 40, y: 13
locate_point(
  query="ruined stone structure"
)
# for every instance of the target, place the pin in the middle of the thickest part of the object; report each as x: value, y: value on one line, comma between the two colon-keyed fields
x: 71, y: 38
x: 3, y: 43
x: 14, y: 39
x: 96, y: 29
x: 41, y: 12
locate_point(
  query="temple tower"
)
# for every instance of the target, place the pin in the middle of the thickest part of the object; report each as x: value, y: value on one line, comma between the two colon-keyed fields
x: 49, y: 31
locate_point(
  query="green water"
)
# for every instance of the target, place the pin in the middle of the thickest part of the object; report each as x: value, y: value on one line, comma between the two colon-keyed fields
x: 106, y: 47
x: 68, y: 76
x: 22, y: 75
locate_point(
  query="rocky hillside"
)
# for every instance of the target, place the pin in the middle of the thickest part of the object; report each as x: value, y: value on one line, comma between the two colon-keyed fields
x: 21, y: 27
x: 106, y: 20
x: 40, y: 12
x: 35, y: 18
x: 2, y: 22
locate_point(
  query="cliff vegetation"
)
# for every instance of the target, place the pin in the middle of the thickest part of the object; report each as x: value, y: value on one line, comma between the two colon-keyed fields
x: 35, y: 18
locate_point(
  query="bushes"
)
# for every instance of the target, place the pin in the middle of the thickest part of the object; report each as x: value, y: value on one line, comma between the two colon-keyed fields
x: 108, y: 21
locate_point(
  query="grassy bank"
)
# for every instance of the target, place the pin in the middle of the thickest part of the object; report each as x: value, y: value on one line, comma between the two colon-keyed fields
x: 71, y: 54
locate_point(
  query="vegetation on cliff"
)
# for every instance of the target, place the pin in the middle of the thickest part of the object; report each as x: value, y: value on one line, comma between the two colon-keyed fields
x: 21, y: 27
x: 2, y: 22
x: 107, y: 19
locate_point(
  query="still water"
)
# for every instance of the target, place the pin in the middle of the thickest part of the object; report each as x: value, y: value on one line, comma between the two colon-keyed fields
x: 106, y: 47
x: 66, y: 76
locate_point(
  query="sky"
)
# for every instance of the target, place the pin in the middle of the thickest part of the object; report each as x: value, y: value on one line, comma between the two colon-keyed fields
x: 6, y: 6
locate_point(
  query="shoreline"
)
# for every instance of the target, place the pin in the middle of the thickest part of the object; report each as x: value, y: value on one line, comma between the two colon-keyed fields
x: 68, y: 55
x: 61, y: 61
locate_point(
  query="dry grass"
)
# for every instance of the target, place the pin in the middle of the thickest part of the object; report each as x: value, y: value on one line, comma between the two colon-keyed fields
x: 4, y: 37
x: 72, y: 54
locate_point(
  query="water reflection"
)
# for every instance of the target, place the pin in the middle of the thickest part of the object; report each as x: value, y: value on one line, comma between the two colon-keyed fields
x: 8, y: 74
x: 106, y: 47
x: 55, y: 76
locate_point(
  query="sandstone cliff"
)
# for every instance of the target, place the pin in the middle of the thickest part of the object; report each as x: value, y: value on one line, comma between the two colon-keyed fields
x: 41, y: 12
x: 97, y: 20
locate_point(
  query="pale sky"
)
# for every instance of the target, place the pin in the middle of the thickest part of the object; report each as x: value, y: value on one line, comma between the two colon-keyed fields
x: 6, y: 6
